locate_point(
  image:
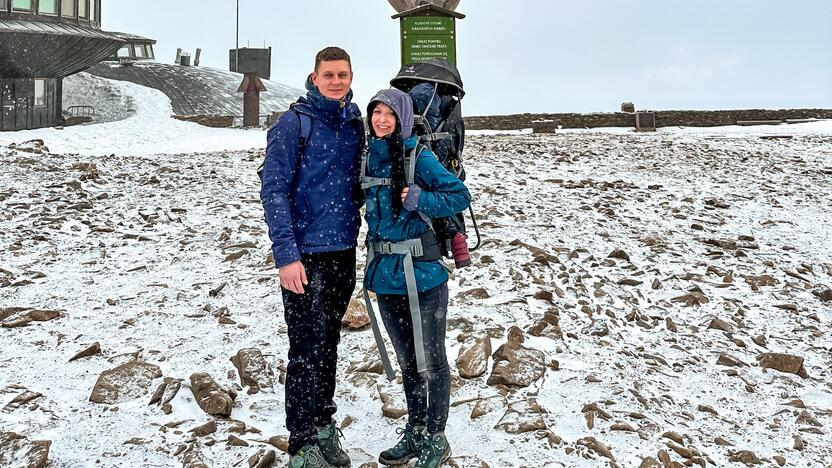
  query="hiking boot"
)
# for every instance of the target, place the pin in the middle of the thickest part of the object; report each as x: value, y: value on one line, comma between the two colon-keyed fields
x: 330, y: 445
x: 308, y: 457
x: 405, y: 449
x: 433, y: 451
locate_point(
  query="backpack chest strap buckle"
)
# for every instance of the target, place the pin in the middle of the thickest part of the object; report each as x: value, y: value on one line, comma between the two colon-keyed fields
x: 411, y: 247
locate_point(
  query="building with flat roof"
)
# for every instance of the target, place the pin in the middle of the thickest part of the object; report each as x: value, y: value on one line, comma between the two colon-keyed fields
x: 41, y: 42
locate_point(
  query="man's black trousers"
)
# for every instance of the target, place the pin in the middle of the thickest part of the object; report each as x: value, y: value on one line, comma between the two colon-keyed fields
x: 314, y: 323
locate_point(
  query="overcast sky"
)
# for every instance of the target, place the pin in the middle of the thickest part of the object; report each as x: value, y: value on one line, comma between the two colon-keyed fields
x: 533, y: 55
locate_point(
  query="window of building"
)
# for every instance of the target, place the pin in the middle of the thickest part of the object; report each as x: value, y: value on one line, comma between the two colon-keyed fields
x: 150, y: 51
x: 22, y: 5
x: 124, y: 52
x: 94, y: 10
x: 68, y: 8
x: 82, y: 9
x: 48, y: 7
x: 140, y: 51
x: 40, y: 92
x: 4, y: 4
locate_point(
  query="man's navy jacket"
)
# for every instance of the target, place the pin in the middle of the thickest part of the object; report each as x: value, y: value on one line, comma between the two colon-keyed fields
x: 311, y: 200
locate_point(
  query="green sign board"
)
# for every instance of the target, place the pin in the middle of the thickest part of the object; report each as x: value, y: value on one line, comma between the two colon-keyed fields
x: 426, y: 37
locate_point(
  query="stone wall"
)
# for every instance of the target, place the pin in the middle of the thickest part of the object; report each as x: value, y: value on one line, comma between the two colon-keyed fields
x: 215, y: 121
x: 672, y: 118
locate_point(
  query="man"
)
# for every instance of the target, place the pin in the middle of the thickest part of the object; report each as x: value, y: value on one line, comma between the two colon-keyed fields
x: 311, y: 196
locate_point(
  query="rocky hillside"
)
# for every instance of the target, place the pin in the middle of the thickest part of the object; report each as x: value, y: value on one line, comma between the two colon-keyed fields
x: 656, y: 300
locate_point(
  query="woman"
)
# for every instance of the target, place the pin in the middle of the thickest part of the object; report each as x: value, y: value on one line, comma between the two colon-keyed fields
x: 401, y: 200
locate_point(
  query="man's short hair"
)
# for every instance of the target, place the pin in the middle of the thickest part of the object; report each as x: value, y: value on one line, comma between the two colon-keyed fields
x: 331, y: 54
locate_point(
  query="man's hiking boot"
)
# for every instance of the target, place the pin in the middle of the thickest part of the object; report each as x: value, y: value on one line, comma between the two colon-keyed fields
x: 405, y: 449
x: 433, y: 451
x: 330, y: 445
x: 308, y: 457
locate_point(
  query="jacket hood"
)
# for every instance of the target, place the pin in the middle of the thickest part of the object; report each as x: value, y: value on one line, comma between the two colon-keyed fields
x: 401, y: 104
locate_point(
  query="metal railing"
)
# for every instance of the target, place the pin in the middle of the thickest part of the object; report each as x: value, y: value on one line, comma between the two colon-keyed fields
x: 80, y: 111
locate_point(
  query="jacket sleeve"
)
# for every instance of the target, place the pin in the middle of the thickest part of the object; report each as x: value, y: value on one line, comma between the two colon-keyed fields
x: 442, y: 193
x: 279, y: 172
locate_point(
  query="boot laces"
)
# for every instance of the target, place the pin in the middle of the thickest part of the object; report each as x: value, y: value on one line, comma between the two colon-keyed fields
x: 428, y: 449
x: 336, y: 434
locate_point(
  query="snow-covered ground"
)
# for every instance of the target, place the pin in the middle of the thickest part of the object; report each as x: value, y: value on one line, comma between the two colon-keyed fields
x: 149, y: 129
x: 127, y: 227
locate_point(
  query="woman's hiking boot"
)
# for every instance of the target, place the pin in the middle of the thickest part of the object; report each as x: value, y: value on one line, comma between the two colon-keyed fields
x: 308, y: 457
x: 330, y: 445
x: 405, y: 449
x: 434, y: 450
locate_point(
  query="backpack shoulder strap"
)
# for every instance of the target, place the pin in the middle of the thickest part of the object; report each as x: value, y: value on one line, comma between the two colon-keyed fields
x: 410, y: 158
x: 305, y: 131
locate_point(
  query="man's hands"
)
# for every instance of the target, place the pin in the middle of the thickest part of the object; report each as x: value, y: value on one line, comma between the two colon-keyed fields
x: 293, y: 277
x: 404, y: 193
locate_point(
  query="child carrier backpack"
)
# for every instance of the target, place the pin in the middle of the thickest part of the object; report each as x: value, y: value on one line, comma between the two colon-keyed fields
x: 436, y: 89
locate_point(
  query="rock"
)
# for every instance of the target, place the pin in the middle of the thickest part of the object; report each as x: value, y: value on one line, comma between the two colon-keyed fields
x: 92, y: 350
x: 253, y: 369
x: 806, y: 417
x: 629, y: 282
x: 477, y: 293
x: 722, y: 244
x: 31, y: 315
x: 707, y: 409
x: 723, y: 442
x: 553, y: 439
x: 619, y: 254
x: 391, y: 407
x: 17, y: 451
x: 192, y: 458
x: 483, y: 407
x: 515, y: 336
x: 691, y: 299
x: 799, y: 445
x: 780, y: 460
x: 763, y: 280
x: 668, y: 323
x: 125, y: 382
x: 515, y: 364
x: 549, y: 326
x: 596, y: 446
x: 597, y: 328
x: 235, y: 441
x: 356, y: 317
x: 730, y: 361
x: 650, y: 462
x: 716, y: 203
x: 744, y: 456
x: 787, y: 363
x: 824, y: 296
x: 208, y: 428
x: 21, y: 400
x: 210, y: 397
x: 760, y: 341
x: 521, y: 417
x: 165, y: 393
x: 262, y: 459
x: 472, y: 361
x: 622, y: 427
x: 280, y: 442
x: 719, y: 324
